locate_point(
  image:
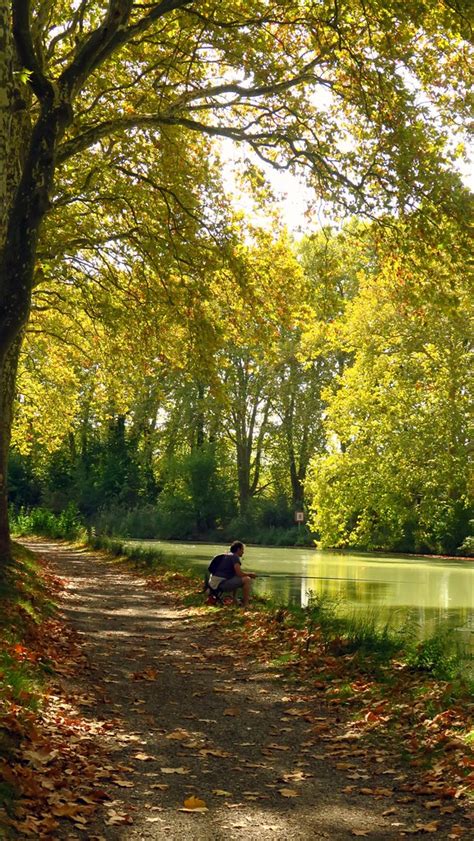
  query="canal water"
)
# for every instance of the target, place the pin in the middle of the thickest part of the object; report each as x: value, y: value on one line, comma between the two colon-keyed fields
x: 429, y: 592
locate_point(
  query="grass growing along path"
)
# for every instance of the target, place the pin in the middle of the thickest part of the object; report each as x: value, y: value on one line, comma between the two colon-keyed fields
x: 145, y: 700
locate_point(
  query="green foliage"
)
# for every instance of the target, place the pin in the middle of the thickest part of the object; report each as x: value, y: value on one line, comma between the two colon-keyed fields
x: 196, y: 497
x: 67, y: 524
x: 24, y: 486
x: 394, y: 474
x: 467, y: 546
x: 440, y: 655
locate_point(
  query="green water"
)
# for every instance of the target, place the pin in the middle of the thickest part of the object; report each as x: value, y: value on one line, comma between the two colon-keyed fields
x: 429, y: 591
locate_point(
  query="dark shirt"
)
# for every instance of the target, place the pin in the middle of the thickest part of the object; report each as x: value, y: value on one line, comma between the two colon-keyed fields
x: 226, y: 565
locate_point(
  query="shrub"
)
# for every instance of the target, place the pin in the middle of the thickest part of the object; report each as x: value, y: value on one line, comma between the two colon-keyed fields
x: 66, y: 525
x: 440, y: 655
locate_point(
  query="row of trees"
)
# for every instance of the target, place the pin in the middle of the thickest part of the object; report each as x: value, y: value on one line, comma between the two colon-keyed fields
x: 343, y: 390
x: 127, y: 281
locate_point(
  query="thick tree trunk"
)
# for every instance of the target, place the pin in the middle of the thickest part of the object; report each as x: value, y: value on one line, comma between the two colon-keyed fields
x: 9, y: 175
x: 26, y: 209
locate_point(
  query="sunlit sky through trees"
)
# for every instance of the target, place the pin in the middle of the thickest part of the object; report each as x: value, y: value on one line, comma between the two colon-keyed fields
x: 295, y: 203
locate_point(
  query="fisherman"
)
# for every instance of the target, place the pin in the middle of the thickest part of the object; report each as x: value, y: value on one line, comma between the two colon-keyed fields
x: 227, y: 575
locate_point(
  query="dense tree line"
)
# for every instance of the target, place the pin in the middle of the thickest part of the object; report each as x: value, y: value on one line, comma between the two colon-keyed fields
x: 352, y: 407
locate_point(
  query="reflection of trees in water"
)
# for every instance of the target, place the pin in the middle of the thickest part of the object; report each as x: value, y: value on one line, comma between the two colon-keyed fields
x: 362, y: 596
x: 281, y: 589
x: 294, y: 590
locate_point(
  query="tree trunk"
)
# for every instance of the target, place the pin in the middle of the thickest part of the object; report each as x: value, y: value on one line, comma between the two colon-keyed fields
x: 17, y: 259
x: 10, y: 130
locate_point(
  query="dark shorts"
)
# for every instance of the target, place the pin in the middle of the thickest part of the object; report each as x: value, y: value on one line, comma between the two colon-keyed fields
x: 231, y: 584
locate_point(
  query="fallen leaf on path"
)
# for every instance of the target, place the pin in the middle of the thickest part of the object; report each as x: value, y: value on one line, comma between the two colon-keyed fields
x: 143, y: 757
x: 179, y: 735
x: 220, y: 792
x: 146, y: 674
x: 288, y: 792
x: 360, y: 832
x: 294, y: 776
x: 123, y: 783
x: 213, y: 752
x: 194, y: 811
x: 160, y: 786
x: 116, y: 818
x: 193, y: 803
x: 232, y: 711
x: 36, y: 758
x: 297, y: 713
x: 424, y: 827
x: 273, y: 746
x: 175, y: 770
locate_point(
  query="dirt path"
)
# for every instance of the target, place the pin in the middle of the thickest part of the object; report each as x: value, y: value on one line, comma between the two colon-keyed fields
x: 189, y: 716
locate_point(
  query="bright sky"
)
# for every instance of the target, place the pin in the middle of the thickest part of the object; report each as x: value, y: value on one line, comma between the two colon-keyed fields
x: 293, y: 196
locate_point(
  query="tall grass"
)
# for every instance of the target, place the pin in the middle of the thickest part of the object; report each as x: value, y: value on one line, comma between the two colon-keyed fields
x: 372, y: 636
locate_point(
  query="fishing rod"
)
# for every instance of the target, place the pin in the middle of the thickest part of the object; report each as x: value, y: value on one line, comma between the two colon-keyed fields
x: 295, y: 577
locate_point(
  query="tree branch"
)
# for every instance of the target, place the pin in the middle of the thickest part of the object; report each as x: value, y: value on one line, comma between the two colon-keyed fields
x: 108, y: 37
x: 41, y: 86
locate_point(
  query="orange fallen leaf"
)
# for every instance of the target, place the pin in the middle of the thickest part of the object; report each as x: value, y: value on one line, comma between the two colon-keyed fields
x: 288, y: 792
x: 194, y: 803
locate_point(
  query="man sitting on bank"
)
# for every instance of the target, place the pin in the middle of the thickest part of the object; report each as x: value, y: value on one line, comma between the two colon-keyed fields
x: 227, y: 573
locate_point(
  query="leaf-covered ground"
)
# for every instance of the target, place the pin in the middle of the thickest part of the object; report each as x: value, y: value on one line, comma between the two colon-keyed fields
x: 165, y: 721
